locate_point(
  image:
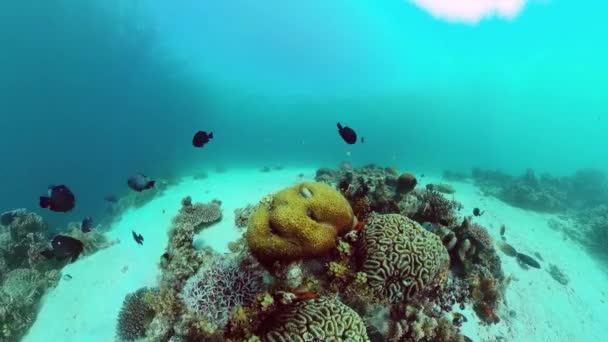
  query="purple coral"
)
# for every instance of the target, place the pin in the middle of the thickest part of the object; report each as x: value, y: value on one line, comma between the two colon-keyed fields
x: 222, y: 284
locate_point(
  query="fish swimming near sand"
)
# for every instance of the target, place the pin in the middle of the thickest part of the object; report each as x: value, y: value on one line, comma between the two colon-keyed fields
x: 528, y: 260
x: 477, y: 212
x: 347, y: 134
x: 201, y: 138
x: 506, y: 248
x: 140, y: 182
x: 138, y: 238
x: 64, y: 247
x: 86, y: 224
x: 60, y: 199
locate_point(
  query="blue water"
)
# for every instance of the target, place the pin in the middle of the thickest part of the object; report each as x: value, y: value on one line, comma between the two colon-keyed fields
x: 94, y: 92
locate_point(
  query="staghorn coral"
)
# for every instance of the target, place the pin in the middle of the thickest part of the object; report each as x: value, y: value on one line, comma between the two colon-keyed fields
x: 322, y: 319
x: 400, y: 258
x: 302, y: 221
x: 221, y: 285
x: 197, y: 215
x: 135, y: 315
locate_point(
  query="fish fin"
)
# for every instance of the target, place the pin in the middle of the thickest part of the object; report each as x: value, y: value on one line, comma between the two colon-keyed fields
x: 210, y: 135
x: 47, y: 253
x: 75, y: 256
x: 339, y: 126
x: 150, y: 184
x: 45, y: 202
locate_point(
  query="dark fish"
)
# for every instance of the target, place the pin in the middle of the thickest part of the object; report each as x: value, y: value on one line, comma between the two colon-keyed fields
x: 85, y: 226
x: 140, y: 182
x: 138, y: 238
x: 64, y: 247
x: 111, y: 198
x: 477, y: 212
x: 507, y: 249
x: 347, y: 134
x: 67, y: 277
x: 362, y: 140
x: 528, y: 260
x: 467, y: 339
x: 201, y: 138
x: 503, y: 228
x: 59, y: 199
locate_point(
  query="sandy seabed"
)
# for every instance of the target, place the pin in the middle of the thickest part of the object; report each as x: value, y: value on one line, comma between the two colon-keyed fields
x: 538, y: 308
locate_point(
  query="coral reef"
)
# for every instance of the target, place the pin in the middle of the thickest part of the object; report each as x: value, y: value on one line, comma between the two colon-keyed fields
x: 135, y: 315
x: 431, y: 206
x: 400, y: 258
x: 23, y: 235
x: 199, y: 214
x: 20, y: 293
x: 301, y: 221
x: 322, y: 319
x: 222, y: 284
x: 92, y: 241
x: 242, y: 215
x: 423, y: 324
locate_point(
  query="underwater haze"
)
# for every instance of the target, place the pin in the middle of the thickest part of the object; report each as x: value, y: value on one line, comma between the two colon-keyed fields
x: 94, y: 92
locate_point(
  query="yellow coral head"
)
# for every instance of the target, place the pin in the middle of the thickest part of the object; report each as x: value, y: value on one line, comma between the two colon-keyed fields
x: 301, y: 221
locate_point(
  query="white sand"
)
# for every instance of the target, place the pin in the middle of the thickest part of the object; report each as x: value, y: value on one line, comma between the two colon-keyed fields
x: 85, y: 308
x: 544, y: 310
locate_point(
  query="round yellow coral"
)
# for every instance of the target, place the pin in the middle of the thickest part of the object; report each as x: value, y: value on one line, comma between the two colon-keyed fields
x: 301, y: 221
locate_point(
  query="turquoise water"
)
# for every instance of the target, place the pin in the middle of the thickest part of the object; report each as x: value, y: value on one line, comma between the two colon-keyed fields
x: 93, y: 92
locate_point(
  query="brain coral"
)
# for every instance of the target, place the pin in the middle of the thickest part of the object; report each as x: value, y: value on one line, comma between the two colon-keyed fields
x: 135, y: 316
x: 400, y: 257
x: 323, y: 319
x: 301, y: 221
x: 221, y: 284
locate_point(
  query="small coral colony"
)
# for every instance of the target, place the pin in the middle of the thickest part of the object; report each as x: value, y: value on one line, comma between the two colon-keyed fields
x: 358, y: 255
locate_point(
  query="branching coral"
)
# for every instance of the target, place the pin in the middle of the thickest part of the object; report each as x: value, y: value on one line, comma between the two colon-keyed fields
x: 323, y: 319
x: 434, y: 208
x: 135, y: 316
x: 221, y: 285
x: 400, y: 258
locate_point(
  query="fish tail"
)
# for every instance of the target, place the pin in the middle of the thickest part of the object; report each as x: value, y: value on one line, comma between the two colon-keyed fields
x: 45, y: 202
x: 211, y: 135
x: 150, y: 184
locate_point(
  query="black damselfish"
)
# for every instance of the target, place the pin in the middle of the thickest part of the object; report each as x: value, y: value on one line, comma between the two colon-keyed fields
x: 138, y: 238
x: 64, y: 247
x: 60, y: 199
x: 201, y: 138
x: 347, y: 133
